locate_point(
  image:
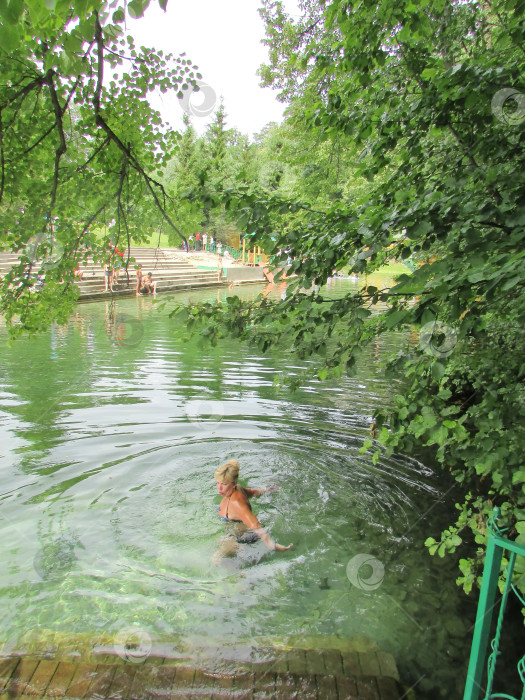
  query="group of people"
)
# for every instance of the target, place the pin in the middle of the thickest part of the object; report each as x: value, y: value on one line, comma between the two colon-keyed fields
x: 205, y: 242
x: 145, y: 283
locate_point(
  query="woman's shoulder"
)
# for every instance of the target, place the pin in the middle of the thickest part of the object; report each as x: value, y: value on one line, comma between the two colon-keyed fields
x: 240, y: 495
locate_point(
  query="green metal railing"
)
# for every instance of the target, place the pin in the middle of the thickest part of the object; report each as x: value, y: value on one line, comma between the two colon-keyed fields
x: 497, y: 544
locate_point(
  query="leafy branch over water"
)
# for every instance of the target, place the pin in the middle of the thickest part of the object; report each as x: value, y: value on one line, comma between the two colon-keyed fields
x: 410, y: 106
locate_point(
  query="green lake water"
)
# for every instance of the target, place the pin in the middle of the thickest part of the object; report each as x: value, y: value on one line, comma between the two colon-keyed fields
x: 110, y: 431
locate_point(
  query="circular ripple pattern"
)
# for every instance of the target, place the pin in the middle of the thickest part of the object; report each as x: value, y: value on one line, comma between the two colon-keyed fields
x: 109, y: 507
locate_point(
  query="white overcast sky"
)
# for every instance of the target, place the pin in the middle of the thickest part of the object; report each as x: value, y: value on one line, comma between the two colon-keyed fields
x: 223, y: 37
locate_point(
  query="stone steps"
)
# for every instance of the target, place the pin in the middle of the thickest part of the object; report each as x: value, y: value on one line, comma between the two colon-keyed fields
x: 171, y: 270
x: 297, y: 673
x: 165, y: 280
x: 152, y: 260
x: 168, y: 287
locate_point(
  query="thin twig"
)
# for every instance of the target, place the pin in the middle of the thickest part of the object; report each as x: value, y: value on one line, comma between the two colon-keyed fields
x: 95, y: 153
x: 100, y: 121
x: 62, y: 146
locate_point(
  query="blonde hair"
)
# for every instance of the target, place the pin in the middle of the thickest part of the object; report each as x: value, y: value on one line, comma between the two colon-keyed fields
x: 228, y: 473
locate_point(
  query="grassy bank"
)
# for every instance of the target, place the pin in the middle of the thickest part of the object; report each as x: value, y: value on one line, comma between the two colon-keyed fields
x: 392, y: 269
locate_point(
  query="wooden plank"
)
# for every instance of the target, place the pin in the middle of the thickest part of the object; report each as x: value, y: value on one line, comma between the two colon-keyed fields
x: 153, y: 682
x: 101, y: 682
x: 82, y: 678
x: 315, y: 661
x: 61, y: 679
x: 41, y: 678
x: 387, y: 664
x: 265, y: 665
x: 333, y: 662
x: 297, y: 661
x: 122, y: 680
x: 369, y: 664
x: 107, y: 659
x: 367, y: 689
x: 351, y: 665
x: 203, y: 684
x: 264, y: 685
x: 346, y: 688
x: 327, y: 687
x: 183, y: 679
x: 280, y: 663
x: 243, y: 686
x: 156, y: 660
x: 388, y: 689
x: 286, y: 686
x: 164, y: 680
x: 144, y: 681
x: 309, y: 675
x: 21, y: 676
x: 7, y: 668
x: 223, y: 688
x: 307, y: 688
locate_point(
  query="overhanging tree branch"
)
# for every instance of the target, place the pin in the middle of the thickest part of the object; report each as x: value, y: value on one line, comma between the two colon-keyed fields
x: 62, y: 146
x: 101, y: 122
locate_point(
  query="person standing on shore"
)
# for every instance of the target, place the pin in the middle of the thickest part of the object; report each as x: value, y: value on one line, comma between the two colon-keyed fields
x: 138, y: 273
x: 108, y: 277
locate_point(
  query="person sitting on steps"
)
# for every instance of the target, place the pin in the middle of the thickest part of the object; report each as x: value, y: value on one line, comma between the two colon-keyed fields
x: 148, y: 285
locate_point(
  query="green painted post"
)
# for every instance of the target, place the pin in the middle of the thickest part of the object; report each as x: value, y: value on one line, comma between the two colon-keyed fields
x: 499, y: 625
x: 480, y: 639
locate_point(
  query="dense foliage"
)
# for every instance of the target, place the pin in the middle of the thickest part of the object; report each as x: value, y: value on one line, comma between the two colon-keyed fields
x: 80, y: 147
x: 424, y: 106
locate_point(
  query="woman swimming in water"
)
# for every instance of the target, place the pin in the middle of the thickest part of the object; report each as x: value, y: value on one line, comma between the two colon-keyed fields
x: 235, y: 505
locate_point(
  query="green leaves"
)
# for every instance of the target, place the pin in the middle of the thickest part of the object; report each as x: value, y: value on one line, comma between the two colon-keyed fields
x: 445, y: 182
x: 136, y: 8
x: 450, y: 540
x: 69, y: 146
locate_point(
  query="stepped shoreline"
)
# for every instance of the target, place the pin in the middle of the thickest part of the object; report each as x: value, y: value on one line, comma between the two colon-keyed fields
x: 172, y: 269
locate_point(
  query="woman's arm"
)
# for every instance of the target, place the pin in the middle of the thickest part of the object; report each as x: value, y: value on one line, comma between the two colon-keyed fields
x: 241, y: 511
x: 254, y: 493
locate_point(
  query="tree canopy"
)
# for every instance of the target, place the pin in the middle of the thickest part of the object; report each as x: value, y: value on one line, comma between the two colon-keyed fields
x: 80, y: 145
